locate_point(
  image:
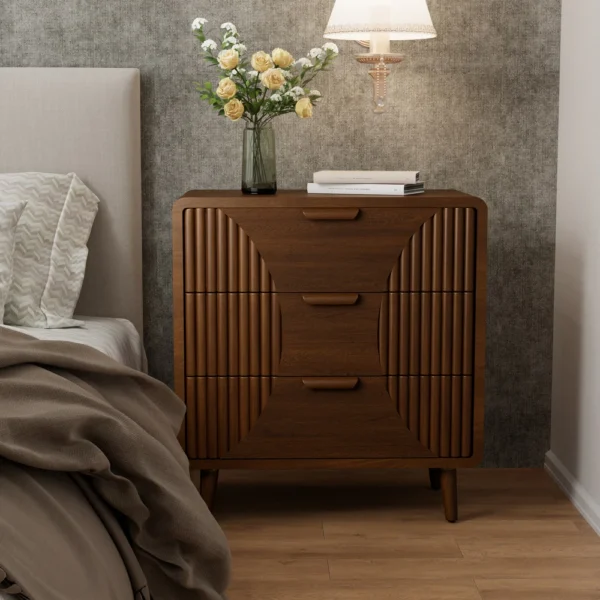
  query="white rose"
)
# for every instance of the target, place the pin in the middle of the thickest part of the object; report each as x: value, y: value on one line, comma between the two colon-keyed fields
x: 228, y: 59
x: 331, y: 46
x: 209, y: 45
x: 198, y: 23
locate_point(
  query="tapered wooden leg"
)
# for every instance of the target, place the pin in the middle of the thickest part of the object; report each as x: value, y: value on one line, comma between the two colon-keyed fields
x: 434, y: 478
x: 208, y: 486
x: 450, y: 494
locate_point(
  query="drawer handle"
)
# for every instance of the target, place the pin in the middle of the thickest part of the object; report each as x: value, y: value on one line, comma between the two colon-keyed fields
x: 330, y: 383
x: 330, y: 299
x: 331, y: 214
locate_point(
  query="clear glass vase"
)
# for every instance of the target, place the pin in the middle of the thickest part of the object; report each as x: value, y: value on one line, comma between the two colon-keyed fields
x: 259, y: 174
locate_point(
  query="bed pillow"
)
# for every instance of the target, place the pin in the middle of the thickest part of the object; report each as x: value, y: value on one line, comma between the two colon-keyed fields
x: 50, y: 247
x: 10, y: 211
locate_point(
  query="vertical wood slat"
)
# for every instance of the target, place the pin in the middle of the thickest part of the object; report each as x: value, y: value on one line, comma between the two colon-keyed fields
x: 265, y: 321
x: 415, y: 334
x: 211, y: 250
x: 191, y: 419
x: 404, y: 270
x: 413, y: 405
x: 457, y: 333
x: 200, y: 250
x: 425, y: 410
x: 446, y: 334
x: 456, y: 422
x: 435, y: 408
x: 201, y: 417
x: 437, y: 252
x: 190, y: 334
x: 275, y: 334
x: 404, y: 334
x: 416, y: 250
x: 467, y: 417
x: 233, y: 410
x: 212, y: 417
x: 201, y: 335
x: 445, y: 415
x: 223, y: 415
x: 468, y: 334
x: 427, y: 256
x: 470, y: 249
x: 394, y: 331
x: 221, y: 343
x: 425, y: 334
x: 403, y: 398
x: 383, y: 334
x: 448, y: 244
x: 189, y: 237
x: 458, y: 283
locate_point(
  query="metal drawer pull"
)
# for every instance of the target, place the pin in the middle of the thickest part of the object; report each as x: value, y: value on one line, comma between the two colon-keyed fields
x: 330, y: 383
x: 331, y: 214
x: 330, y: 299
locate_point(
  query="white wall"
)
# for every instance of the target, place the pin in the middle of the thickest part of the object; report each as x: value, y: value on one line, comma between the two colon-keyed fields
x: 574, y: 458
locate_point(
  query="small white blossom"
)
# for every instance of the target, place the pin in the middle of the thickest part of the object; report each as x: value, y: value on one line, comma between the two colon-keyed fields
x: 287, y: 74
x: 314, y: 94
x: 304, y: 63
x: 331, y: 46
x: 209, y: 46
x: 296, y: 93
x: 198, y: 23
x: 253, y: 74
x: 230, y: 27
x: 240, y: 48
x: 276, y: 98
x: 317, y: 53
x: 238, y: 71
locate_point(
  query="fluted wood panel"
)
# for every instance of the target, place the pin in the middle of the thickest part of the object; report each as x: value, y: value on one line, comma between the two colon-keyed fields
x: 232, y: 334
x: 440, y: 257
x: 427, y: 333
x: 437, y: 410
x: 220, y: 257
x: 221, y: 412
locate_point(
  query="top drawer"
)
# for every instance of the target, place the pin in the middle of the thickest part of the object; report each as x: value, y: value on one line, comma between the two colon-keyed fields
x: 376, y: 249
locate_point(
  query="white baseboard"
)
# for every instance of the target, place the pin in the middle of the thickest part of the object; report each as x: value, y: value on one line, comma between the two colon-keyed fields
x: 577, y: 494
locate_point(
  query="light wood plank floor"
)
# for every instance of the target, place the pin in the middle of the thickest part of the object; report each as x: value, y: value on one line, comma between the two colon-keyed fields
x: 381, y: 535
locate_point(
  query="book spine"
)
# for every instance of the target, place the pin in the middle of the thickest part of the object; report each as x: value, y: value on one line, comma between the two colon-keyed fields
x: 351, y: 177
x: 368, y: 190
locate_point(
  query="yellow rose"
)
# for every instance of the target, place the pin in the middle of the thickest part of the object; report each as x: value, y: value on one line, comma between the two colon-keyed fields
x: 228, y: 59
x: 226, y: 89
x: 234, y: 109
x: 282, y: 58
x: 261, y: 61
x: 304, y: 108
x: 272, y: 79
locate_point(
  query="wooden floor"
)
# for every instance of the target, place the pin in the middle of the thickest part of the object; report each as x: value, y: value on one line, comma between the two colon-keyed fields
x: 362, y: 535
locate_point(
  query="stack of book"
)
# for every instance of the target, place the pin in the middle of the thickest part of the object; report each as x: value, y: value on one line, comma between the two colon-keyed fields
x: 375, y: 183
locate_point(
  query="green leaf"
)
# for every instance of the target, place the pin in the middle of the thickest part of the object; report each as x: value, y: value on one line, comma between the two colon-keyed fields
x: 208, y: 85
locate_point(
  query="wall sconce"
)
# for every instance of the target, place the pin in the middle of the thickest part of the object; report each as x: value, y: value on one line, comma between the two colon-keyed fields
x: 380, y: 21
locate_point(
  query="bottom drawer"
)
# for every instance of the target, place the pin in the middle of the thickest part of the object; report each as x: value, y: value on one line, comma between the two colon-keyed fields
x: 311, y: 418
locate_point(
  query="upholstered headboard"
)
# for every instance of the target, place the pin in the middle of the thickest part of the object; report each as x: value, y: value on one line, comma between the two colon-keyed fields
x: 86, y: 121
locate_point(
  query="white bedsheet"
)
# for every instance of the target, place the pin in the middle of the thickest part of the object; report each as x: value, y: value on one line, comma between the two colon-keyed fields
x: 117, y: 338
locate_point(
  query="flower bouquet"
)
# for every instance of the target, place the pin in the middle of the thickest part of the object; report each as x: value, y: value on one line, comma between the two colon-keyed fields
x: 258, y: 89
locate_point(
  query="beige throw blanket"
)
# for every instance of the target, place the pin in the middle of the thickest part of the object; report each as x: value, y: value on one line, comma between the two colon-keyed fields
x: 66, y: 407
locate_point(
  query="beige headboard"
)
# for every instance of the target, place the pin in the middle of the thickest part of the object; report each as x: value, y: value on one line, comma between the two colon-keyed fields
x: 86, y: 121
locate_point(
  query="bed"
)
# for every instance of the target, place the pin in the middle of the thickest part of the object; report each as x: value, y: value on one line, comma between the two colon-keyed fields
x: 90, y: 124
x: 96, y: 498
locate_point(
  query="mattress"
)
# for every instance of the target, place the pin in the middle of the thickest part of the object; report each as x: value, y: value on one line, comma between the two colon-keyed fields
x: 117, y: 338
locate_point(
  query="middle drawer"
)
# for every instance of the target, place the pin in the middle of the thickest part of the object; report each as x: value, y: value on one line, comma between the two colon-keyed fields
x: 264, y: 334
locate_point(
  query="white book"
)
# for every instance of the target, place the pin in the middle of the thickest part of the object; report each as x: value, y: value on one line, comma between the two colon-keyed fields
x: 365, y: 189
x: 367, y: 177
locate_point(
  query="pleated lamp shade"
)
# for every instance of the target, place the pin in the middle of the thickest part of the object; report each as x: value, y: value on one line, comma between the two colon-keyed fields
x: 401, y: 19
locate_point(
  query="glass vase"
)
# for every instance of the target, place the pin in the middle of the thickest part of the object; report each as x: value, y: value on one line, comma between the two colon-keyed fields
x: 259, y: 174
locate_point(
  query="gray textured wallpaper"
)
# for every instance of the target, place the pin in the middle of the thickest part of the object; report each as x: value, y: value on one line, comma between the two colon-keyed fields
x: 475, y: 109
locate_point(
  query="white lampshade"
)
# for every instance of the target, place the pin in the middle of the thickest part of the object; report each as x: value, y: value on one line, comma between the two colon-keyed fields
x: 401, y: 19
